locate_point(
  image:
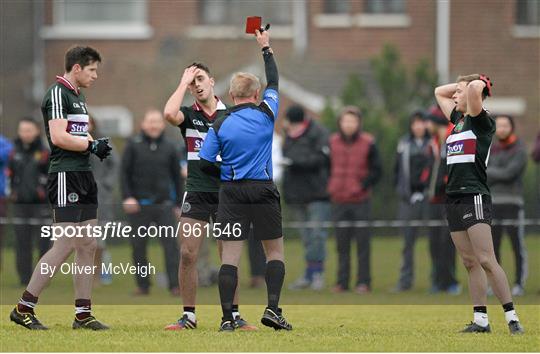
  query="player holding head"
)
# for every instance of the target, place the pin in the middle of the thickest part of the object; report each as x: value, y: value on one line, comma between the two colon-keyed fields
x: 201, y: 197
x: 71, y: 187
x: 248, y: 195
x: 468, y: 196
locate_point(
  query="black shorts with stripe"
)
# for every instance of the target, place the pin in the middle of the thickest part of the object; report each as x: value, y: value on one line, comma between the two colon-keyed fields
x: 73, y: 196
x: 200, y: 206
x: 466, y: 210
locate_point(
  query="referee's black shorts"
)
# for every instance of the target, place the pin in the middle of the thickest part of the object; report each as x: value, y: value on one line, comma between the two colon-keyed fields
x: 73, y: 196
x: 246, y: 202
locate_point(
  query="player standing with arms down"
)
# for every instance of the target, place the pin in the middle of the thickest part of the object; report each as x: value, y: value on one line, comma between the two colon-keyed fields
x: 247, y: 194
x: 71, y: 187
x: 201, y: 197
x: 468, y: 203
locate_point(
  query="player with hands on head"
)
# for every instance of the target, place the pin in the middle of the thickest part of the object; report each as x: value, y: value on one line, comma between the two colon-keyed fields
x: 468, y: 205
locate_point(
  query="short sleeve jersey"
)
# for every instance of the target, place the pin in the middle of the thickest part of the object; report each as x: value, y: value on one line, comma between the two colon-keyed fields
x: 63, y: 101
x: 468, y: 148
x: 194, y: 129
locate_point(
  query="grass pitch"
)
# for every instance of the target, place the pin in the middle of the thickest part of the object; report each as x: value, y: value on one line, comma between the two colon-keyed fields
x: 381, y: 321
x: 343, y: 328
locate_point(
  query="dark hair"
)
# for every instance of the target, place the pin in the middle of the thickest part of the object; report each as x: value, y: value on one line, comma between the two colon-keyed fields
x: 468, y: 79
x: 510, y: 119
x: 295, y: 114
x: 31, y: 120
x: 81, y: 55
x: 200, y: 66
x: 417, y: 115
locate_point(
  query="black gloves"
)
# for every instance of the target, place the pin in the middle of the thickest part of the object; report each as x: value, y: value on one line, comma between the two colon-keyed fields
x: 100, y: 148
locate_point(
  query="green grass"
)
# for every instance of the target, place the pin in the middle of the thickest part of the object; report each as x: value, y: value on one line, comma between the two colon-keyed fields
x: 317, y: 328
x: 381, y: 321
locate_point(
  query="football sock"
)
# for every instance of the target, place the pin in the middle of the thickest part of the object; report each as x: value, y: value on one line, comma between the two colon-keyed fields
x: 480, y: 315
x: 275, y: 272
x: 235, y: 311
x: 83, y: 309
x: 509, y: 312
x: 227, y: 281
x: 27, y: 303
x: 190, y: 312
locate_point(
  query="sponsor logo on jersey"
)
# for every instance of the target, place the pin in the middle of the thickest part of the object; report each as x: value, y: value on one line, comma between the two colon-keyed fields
x: 455, y: 149
x: 76, y: 105
x: 77, y: 125
x: 198, y: 122
x: 461, y: 147
x: 78, y: 128
x: 466, y: 216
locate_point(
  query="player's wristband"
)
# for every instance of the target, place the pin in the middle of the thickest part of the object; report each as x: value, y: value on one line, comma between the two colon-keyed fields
x: 266, y: 50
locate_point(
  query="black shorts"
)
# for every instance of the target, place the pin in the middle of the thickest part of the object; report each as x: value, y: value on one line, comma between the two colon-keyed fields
x: 466, y: 210
x: 73, y: 196
x: 200, y: 205
x: 245, y: 203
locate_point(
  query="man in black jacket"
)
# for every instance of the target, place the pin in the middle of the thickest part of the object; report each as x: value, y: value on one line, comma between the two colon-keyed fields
x: 412, y: 170
x: 306, y: 159
x: 441, y: 248
x: 27, y: 168
x: 150, y: 167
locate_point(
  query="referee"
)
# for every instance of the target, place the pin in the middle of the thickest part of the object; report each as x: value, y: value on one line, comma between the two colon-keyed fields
x: 247, y: 195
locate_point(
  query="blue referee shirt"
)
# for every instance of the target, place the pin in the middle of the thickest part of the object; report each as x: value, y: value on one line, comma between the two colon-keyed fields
x: 243, y: 138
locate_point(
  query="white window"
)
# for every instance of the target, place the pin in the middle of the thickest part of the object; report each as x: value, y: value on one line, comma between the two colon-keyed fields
x: 528, y: 12
x: 226, y: 18
x: 99, y: 19
x: 527, y: 23
x: 336, y: 14
x: 337, y: 6
x: 113, y: 120
x: 384, y: 6
x: 384, y: 14
x: 375, y: 14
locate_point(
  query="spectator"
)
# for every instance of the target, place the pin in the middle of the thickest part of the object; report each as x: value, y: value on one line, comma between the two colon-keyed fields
x: 441, y: 247
x: 5, y: 150
x: 505, y: 172
x: 106, y: 175
x: 536, y: 150
x: 150, y: 165
x: 411, y: 179
x: 355, y: 169
x: 306, y: 160
x: 27, y: 168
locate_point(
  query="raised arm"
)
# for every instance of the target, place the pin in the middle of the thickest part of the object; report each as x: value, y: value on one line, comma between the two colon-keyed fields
x: 270, y: 67
x: 172, y: 112
x: 474, y: 97
x: 444, y: 94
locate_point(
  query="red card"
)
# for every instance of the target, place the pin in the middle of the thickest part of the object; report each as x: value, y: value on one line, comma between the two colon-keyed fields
x: 253, y: 23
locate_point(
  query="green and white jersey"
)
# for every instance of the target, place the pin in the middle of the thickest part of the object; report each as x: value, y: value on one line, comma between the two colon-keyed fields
x: 63, y: 101
x: 194, y: 129
x: 468, y: 149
